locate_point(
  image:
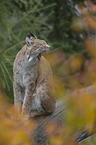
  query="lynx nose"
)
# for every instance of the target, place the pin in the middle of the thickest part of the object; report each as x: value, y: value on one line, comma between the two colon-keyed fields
x: 47, y: 46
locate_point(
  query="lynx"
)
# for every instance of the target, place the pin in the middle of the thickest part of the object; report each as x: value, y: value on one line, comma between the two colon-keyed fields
x: 33, y: 80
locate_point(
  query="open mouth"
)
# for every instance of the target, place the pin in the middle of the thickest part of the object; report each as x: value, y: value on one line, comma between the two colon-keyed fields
x: 39, y: 56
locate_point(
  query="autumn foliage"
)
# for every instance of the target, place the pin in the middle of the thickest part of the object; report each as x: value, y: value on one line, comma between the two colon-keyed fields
x: 13, y: 131
x: 75, y: 82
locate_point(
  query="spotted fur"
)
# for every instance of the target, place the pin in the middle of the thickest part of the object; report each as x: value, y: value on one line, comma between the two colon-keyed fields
x: 33, y: 79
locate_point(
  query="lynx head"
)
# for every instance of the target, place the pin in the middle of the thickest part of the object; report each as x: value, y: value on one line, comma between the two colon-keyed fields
x: 35, y: 47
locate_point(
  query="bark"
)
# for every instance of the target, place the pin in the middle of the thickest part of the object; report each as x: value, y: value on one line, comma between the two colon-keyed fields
x: 40, y: 135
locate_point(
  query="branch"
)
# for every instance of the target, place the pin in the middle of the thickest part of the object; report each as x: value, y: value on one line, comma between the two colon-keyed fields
x: 40, y: 134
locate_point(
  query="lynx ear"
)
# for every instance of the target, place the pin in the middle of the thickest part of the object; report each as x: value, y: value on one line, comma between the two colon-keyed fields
x: 28, y: 41
x: 32, y: 36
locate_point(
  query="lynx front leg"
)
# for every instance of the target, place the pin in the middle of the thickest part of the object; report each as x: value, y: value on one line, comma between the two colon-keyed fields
x: 27, y: 101
x: 17, y: 96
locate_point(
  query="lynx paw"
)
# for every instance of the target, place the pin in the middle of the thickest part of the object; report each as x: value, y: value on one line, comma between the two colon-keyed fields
x: 32, y: 113
x: 35, y: 113
x: 25, y: 117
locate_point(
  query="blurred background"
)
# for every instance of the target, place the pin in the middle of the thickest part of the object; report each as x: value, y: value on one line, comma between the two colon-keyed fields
x: 68, y: 26
x: 63, y: 24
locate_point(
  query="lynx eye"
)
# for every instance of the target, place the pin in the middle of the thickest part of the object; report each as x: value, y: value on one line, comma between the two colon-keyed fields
x: 44, y: 43
x: 30, y: 43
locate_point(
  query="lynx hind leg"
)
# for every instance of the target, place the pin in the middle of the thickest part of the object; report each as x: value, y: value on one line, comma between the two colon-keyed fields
x: 48, y: 104
x: 47, y: 101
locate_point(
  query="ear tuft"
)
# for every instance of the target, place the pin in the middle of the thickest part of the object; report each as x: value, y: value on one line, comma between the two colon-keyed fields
x: 32, y: 36
x: 28, y: 41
